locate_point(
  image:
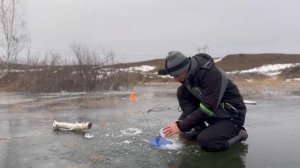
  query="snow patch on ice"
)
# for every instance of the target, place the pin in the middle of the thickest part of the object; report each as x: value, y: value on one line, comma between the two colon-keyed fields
x: 126, y: 142
x: 173, y: 146
x: 88, y: 136
x: 131, y: 131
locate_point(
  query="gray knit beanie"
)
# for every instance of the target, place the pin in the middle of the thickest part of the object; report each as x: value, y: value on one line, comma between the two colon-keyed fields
x: 176, y: 63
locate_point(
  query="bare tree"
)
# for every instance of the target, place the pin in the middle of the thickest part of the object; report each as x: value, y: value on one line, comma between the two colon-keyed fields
x: 12, y: 31
x: 110, y: 58
x: 84, y: 55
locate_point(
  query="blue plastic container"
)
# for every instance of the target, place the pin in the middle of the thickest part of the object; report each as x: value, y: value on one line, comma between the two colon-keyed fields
x: 159, y: 141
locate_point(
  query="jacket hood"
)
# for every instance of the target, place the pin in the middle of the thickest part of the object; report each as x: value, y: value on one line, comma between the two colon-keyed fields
x: 198, y: 62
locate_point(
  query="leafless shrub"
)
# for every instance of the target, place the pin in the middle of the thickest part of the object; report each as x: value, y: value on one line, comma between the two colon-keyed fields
x: 85, y: 72
x: 120, y: 79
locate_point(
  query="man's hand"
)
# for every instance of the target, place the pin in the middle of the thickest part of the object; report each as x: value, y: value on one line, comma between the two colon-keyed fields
x: 170, y: 129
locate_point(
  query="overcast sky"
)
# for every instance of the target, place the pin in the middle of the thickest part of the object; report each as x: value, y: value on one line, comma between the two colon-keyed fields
x: 145, y: 29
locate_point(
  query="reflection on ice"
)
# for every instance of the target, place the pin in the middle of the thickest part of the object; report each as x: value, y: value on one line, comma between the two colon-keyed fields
x: 13, y: 98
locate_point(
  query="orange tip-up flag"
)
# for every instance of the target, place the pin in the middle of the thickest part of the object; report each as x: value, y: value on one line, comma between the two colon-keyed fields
x: 132, y: 96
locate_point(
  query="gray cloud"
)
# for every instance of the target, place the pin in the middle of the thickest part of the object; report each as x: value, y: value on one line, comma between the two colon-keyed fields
x: 153, y: 27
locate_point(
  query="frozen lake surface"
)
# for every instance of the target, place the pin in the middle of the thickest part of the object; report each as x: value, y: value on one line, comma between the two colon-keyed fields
x: 121, y: 130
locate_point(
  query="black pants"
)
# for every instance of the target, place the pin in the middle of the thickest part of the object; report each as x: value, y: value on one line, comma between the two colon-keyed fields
x: 215, y: 135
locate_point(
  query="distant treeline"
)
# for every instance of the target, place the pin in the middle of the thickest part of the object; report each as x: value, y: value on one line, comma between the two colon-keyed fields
x: 88, y: 72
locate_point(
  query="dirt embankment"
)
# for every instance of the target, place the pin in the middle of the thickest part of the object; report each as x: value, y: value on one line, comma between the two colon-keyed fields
x: 232, y: 62
x: 290, y: 73
x: 249, y: 61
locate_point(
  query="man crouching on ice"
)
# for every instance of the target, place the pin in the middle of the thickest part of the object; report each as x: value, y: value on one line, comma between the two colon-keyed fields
x: 213, y: 108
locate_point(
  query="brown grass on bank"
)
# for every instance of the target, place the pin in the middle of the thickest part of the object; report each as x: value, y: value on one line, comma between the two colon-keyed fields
x: 258, y: 88
x: 86, y: 72
x: 90, y: 73
x: 66, y: 80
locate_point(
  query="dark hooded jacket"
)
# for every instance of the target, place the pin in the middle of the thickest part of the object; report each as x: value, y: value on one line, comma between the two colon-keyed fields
x: 219, y: 97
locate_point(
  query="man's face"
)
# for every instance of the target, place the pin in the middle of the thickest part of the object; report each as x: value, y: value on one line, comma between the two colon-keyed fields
x: 181, y: 77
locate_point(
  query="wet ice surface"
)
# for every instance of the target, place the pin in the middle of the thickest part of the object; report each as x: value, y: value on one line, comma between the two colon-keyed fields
x: 121, y: 131
x: 12, y: 98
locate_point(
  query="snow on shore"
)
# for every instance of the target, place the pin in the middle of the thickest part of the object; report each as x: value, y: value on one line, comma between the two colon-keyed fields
x: 143, y: 68
x: 270, y: 70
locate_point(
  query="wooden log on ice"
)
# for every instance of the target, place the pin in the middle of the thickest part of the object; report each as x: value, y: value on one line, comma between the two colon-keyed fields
x: 71, y: 126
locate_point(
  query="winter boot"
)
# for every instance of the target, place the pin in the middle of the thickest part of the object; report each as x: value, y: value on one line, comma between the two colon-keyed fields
x: 242, y: 136
x: 189, y: 136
